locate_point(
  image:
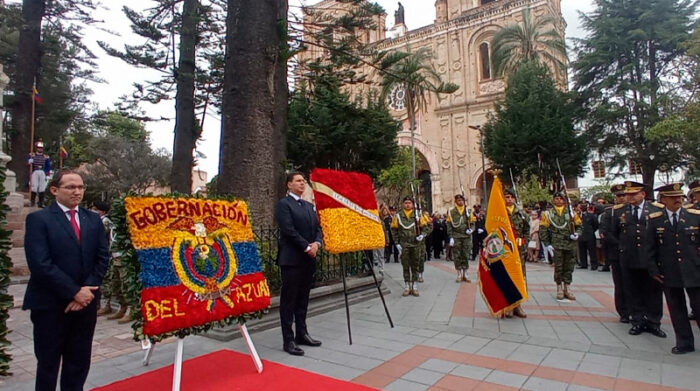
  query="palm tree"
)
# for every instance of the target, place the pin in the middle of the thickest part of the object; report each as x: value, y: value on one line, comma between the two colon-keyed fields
x: 412, y: 72
x: 537, y: 40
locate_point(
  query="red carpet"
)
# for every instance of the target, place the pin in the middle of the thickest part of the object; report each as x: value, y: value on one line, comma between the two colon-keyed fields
x: 229, y: 370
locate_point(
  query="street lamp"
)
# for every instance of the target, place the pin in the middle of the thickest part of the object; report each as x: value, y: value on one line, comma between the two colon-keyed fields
x: 483, y: 164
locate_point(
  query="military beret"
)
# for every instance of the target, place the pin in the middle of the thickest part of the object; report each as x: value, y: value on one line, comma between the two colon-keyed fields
x: 618, y: 189
x: 459, y: 196
x: 694, y: 186
x: 671, y: 190
x: 101, y: 205
x: 510, y: 191
x: 632, y: 187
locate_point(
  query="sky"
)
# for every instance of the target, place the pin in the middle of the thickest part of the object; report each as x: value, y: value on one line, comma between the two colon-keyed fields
x: 119, y: 76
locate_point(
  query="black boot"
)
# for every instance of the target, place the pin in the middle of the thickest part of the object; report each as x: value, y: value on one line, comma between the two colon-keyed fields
x: 41, y: 199
x: 32, y: 199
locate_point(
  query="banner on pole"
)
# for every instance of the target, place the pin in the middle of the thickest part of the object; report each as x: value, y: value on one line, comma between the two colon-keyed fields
x: 501, y: 280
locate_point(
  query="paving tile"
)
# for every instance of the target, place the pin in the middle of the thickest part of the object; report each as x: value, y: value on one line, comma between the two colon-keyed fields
x: 423, y: 376
x: 506, y: 378
x: 405, y: 385
x: 438, y: 365
x: 471, y: 371
x: 539, y: 384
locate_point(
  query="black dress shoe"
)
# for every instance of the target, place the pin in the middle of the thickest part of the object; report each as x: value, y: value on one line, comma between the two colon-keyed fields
x: 624, y: 319
x: 581, y: 267
x: 604, y: 269
x: 679, y: 350
x: 594, y: 268
x: 307, y: 340
x: 656, y: 331
x: 636, y: 330
x: 292, y: 348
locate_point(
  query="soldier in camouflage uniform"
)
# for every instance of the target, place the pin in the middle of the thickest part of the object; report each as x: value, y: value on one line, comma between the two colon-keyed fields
x: 459, y: 232
x: 521, y: 229
x: 424, y: 252
x: 560, y: 242
x: 409, y: 242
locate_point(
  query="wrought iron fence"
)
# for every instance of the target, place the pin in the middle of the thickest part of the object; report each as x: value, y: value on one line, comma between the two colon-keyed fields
x: 328, y: 266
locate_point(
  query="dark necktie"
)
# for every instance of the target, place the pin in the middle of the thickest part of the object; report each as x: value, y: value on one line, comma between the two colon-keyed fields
x: 636, y: 213
x: 674, y: 220
x: 74, y: 224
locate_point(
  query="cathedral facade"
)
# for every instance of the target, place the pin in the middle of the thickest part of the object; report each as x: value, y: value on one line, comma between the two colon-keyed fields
x: 447, y: 136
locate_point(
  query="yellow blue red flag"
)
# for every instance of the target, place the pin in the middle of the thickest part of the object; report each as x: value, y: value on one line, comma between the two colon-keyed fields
x: 501, y: 280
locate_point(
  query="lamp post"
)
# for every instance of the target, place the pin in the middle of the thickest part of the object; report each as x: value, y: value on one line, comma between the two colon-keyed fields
x: 483, y: 163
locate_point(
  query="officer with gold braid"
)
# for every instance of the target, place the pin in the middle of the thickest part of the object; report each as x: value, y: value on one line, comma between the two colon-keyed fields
x: 409, y: 241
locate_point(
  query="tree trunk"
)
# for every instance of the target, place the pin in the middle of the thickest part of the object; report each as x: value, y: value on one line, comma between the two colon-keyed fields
x: 253, y: 134
x: 187, y: 130
x: 28, y: 63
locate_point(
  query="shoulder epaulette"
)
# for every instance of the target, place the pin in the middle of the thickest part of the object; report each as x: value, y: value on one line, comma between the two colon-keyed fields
x: 655, y: 215
x: 658, y: 204
x: 618, y: 206
x: 694, y: 211
x: 688, y: 206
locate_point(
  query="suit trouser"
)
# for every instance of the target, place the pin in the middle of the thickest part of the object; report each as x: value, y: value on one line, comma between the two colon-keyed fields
x: 388, y: 250
x: 644, y: 297
x: 675, y: 299
x: 294, y: 298
x: 620, y: 302
x: 587, y: 249
x: 63, y: 340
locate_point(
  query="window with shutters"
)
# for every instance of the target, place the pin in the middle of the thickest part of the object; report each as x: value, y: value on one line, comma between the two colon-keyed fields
x: 598, y: 169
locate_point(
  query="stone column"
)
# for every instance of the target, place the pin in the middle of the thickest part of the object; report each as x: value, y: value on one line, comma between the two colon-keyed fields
x: 14, y: 199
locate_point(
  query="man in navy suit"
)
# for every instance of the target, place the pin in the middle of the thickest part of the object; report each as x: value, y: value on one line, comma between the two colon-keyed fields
x: 67, y: 254
x: 299, y: 241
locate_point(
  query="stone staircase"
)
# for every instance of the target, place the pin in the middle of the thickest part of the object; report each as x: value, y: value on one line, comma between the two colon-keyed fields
x: 19, y: 209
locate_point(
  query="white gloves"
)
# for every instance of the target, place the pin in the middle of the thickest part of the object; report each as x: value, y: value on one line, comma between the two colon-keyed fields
x: 419, y: 238
x: 398, y: 248
x: 469, y: 231
x: 452, y: 242
x: 550, y: 250
x: 573, y: 236
x: 480, y: 231
x: 31, y: 160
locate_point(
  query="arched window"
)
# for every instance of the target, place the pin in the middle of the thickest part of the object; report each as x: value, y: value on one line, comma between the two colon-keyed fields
x: 485, y: 56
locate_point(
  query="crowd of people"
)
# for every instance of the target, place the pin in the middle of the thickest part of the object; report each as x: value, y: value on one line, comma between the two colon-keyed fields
x: 651, y: 248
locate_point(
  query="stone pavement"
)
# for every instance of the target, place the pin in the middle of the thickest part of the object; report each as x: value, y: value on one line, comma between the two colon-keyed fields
x: 443, y: 340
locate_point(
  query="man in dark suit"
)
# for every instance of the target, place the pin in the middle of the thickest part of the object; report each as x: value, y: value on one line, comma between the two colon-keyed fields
x: 299, y: 241
x: 586, y: 244
x: 673, y: 240
x: 643, y: 294
x: 612, y: 251
x: 68, y: 255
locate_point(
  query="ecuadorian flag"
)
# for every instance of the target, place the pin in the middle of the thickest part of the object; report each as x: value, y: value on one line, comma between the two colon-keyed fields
x: 347, y: 210
x: 501, y: 278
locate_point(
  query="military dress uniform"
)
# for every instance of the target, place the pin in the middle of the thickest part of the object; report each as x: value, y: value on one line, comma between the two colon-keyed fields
x: 410, y: 243
x: 459, y: 230
x: 555, y: 230
x: 673, y: 249
x: 611, y: 251
x: 642, y: 293
x: 520, y: 224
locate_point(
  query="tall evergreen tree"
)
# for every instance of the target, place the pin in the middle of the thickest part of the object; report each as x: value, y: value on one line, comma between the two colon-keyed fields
x: 534, y: 127
x: 195, y: 29
x: 35, y: 14
x: 624, y: 72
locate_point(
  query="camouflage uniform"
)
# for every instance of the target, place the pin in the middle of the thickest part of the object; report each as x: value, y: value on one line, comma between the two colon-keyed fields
x: 521, y: 228
x: 555, y: 230
x: 403, y: 229
x: 459, y: 228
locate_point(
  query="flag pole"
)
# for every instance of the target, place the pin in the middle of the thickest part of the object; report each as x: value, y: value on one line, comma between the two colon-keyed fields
x: 31, y: 133
x: 60, y: 152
